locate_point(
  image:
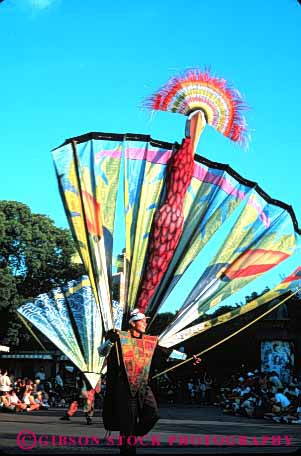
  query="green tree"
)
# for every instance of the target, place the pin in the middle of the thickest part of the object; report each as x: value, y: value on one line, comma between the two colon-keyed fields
x: 35, y: 256
x: 160, y: 322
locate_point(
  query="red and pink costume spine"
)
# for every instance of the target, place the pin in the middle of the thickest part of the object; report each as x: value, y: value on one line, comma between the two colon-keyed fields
x: 205, y: 99
x: 168, y: 221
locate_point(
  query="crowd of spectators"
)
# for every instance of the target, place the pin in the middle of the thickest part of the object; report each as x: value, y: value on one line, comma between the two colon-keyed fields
x: 262, y: 395
x: 198, y: 389
x: 41, y: 393
x: 248, y: 394
x: 26, y: 394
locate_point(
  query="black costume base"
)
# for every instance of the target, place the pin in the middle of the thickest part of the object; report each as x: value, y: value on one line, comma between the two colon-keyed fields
x: 127, y: 414
x: 123, y: 412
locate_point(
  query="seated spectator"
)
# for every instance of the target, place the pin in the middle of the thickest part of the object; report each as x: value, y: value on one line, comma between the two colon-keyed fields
x: 244, y: 390
x: 263, y: 404
x: 281, y: 400
x: 28, y: 398
x: 20, y: 389
x: 41, y: 400
x: 62, y: 403
x: 250, y: 380
x: 271, y: 387
x: 38, y: 386
x: 16, y: 402
x: 281, y: 406
x: 262, y: 380
x: 17, y: 385
x: 275, y: 380
x: 48, y: 385
x: 7, y: 406
x: 247, y: 406
x: 292, y: 390
x: 54, y: 398
x: 297, y: 416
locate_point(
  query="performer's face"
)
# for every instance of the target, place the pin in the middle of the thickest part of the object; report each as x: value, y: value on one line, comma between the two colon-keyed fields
x: 140, y: 325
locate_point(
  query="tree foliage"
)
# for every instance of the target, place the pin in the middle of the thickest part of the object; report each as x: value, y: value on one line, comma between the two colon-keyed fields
x: 161, y: 321
x: 35, y: 256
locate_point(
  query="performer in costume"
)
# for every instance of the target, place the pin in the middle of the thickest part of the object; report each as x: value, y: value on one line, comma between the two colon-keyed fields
x: 87, y: 393
x: 129, y: 405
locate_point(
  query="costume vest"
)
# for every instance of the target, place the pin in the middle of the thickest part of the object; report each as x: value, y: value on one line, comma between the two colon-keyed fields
x: 137, y: 357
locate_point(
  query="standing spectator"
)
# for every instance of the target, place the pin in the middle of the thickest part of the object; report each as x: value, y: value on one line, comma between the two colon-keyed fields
x: 191, y: 390
x: 58, y: 381
x: 5, y: 383
x: 41, y: 374
x: 12, y: 379
x: 171, y: 394
x: 202, y: 392
x: 208, y: 383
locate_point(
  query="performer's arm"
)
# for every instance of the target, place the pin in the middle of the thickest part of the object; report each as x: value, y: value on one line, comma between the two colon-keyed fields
x: 105, y: 348
x: 175, y: 354
x: 171, y: 354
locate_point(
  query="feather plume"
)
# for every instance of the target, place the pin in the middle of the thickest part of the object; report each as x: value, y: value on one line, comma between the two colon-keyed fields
x: 196, y: 89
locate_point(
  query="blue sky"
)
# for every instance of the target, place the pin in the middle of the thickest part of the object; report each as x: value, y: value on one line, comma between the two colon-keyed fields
x: 69, y: 67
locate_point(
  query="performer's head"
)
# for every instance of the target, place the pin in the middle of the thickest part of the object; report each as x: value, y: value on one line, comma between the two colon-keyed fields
x: 138, y: 322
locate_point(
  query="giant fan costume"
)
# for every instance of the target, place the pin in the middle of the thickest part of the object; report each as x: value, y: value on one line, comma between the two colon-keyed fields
x: 174, y: 201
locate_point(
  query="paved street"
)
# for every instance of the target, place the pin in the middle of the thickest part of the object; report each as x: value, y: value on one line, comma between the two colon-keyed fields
x: 181, y: 430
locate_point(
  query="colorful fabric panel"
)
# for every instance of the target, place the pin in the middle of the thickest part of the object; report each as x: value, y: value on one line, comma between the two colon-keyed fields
x: 70, y: 318
x: 290, y: 283
x: 137, y: 357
